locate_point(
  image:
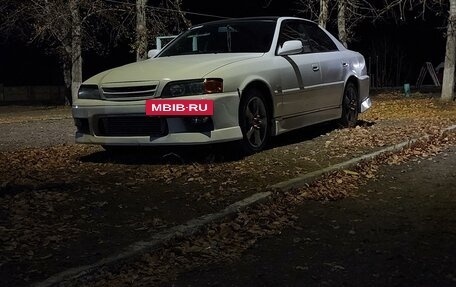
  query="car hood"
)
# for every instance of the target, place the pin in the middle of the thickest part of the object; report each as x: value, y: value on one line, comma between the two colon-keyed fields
x: 170, y: 68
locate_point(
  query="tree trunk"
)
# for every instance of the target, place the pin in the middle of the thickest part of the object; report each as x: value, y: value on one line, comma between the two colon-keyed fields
x: 67, y: 80
x: 178, y: 7
x: 450, y: 56
x: 141, y: 30
x: 76, y: 57
x: 341, y: 25
x: 66, y: 74
x: 323, y: 17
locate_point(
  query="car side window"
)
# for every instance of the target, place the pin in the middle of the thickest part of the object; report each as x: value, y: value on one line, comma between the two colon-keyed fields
x: 294, y: 30
x: 319, y: 40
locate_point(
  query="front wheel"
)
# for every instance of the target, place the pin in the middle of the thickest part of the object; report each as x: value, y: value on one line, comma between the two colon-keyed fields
x: 254, y: 119
x: 349, y: 107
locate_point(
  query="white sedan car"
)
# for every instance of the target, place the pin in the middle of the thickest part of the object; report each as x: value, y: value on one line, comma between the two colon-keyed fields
x: 231, y: 80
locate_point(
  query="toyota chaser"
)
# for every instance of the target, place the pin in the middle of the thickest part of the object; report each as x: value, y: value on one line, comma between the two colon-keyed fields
x: 247, y: 79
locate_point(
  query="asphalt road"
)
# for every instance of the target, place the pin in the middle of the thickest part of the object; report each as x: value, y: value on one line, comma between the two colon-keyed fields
x: 400, y: 230
x: 66, y: 206
x: 35, y: 126
x: 36, y: 134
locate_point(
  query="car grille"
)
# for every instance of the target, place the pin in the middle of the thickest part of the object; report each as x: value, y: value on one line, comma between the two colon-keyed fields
x: 129, y: 92
x: 131, y: 126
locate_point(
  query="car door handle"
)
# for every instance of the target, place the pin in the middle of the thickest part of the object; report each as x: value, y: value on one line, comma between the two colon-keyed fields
x: 315, y: 68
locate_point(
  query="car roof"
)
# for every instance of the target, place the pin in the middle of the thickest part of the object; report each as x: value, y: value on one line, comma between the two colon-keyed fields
x: 262, y: 18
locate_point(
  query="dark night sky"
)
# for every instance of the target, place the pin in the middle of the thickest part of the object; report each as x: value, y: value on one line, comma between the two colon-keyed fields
x: 238, y: 8
x: 419, y: 40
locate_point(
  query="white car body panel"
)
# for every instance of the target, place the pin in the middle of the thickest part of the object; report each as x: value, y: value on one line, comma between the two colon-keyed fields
x: 303, y: 89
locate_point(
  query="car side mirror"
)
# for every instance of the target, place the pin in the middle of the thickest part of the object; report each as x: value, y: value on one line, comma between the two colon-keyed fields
x: 290, y: 48
x: 152, y: 53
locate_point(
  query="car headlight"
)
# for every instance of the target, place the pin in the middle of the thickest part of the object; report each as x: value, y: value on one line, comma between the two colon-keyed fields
x: 192, y: 87
x: 89, y: 92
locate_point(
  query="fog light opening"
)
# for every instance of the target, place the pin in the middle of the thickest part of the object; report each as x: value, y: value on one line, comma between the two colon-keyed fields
x: 82, y: 125
x: 199, y: 120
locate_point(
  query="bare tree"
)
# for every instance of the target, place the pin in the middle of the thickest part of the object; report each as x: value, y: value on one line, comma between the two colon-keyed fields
x: 76, y: 48
x: 65, y: 28
x: 10, y: 16
x: 157, y: 18
x: 341, y: 22
x: 317, y: 10
x: 450, y: 55
x: 323, y: 15
x: 397, y: 10
x: 436, y: 6
x: 141, y: 30
x: 349, y: 14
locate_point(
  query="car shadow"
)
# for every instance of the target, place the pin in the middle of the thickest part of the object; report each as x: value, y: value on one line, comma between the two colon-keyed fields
x: 175, y: 155
x: 302, y: 134
x: 309, y: 133
x: 205, y: 154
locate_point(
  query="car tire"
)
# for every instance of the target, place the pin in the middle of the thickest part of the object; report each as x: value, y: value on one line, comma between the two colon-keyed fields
x: 255, y: 121
x: 349, y: 106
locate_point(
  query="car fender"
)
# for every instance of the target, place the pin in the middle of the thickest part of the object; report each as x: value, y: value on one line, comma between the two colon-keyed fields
x: 234, y: 80
x: 357, y: 70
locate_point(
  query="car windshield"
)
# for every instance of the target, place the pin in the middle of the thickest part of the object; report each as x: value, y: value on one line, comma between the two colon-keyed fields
x: 226, y: 37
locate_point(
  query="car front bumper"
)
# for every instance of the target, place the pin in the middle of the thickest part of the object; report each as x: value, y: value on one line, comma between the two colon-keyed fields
x: 364, y: 99
x: 92, y: 118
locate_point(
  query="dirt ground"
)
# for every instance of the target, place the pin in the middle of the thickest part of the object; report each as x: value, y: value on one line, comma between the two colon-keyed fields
x: 397, y: 230
x: 35, y: 126
x: 65, y: 205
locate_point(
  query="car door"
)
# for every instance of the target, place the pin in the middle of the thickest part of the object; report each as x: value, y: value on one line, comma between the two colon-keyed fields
x: 301, y: 84
x: 331, y: 66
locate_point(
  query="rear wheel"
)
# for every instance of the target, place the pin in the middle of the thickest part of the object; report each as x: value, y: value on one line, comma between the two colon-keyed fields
x: 349, y: 106
x: 254, y: 119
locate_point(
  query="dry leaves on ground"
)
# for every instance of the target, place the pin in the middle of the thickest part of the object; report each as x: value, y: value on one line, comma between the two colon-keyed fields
x: 62, y: 193
x: 226, y: 241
